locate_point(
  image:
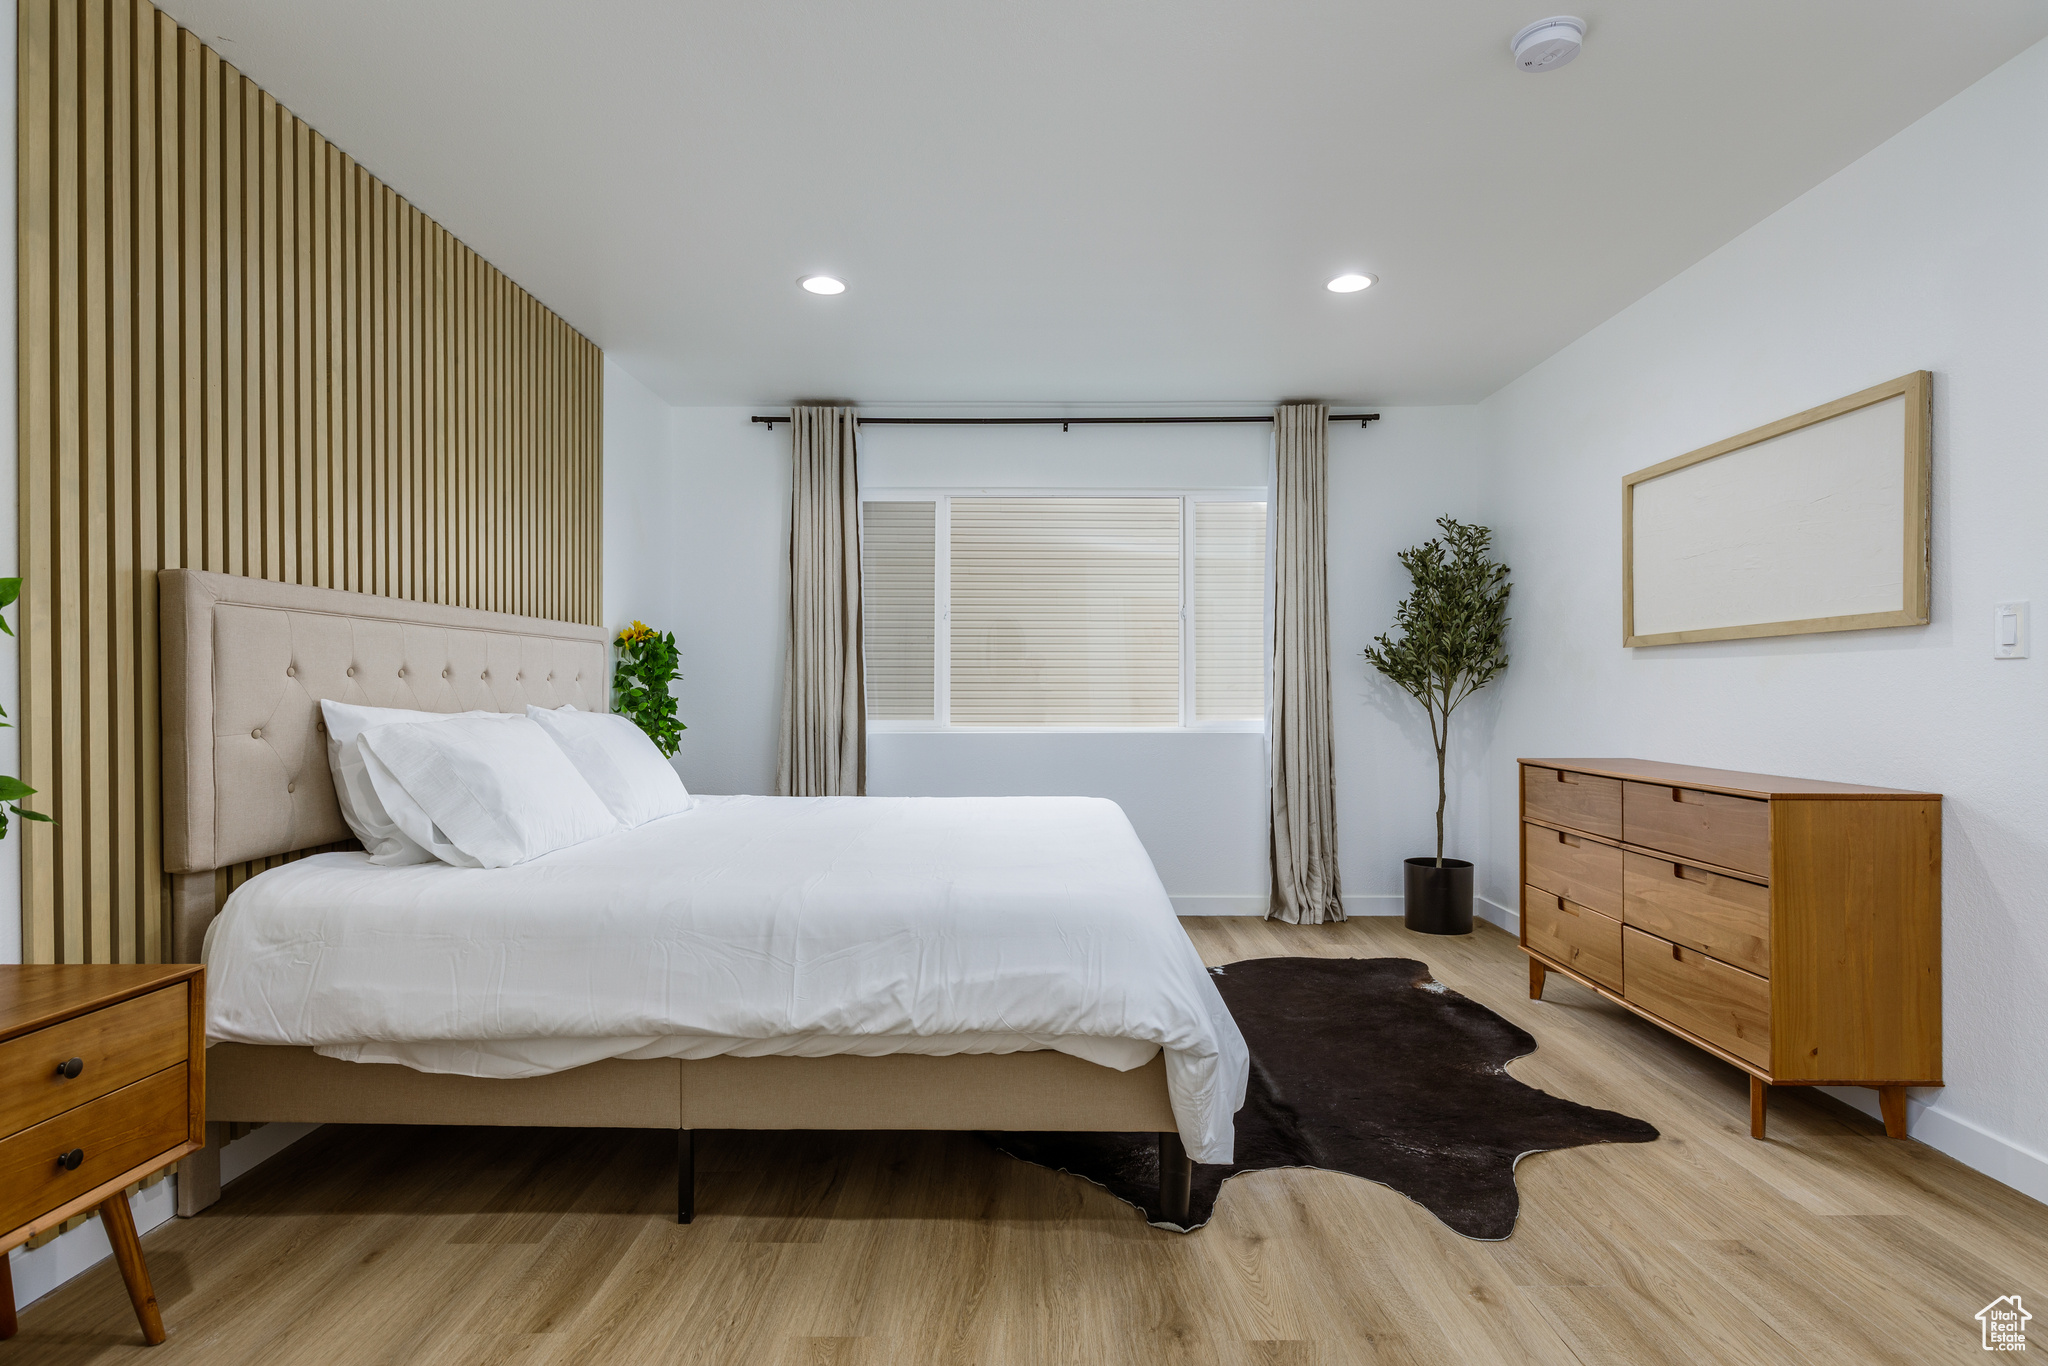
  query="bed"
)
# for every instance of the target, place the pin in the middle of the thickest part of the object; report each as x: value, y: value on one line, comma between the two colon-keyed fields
x: 996, y: 965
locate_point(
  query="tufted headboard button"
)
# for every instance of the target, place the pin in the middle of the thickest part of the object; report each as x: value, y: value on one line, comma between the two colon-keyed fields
x: 291, y: 671
x: 291, y: 787
x: 351, y: 671
x: 446, y: 672
x: 256, y: 734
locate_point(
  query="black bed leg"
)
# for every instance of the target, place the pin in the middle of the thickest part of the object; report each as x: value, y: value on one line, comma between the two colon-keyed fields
x: 686, y: 1175
x: 1176, y: 1176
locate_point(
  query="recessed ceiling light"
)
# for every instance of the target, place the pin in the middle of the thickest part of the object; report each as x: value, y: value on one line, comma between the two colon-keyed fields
x: 1351, y: 284
x: 823, y: 284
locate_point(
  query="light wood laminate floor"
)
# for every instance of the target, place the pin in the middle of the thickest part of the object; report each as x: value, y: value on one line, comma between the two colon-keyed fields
x: 1828, y: 1243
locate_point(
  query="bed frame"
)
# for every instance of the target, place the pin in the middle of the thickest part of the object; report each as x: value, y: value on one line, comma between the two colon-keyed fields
x: 246, y: 663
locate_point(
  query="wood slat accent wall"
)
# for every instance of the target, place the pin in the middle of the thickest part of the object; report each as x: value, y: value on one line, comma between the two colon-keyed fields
x: 240, y: 351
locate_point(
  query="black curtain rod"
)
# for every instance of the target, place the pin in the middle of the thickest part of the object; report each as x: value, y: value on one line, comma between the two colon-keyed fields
x: 1062, y: 422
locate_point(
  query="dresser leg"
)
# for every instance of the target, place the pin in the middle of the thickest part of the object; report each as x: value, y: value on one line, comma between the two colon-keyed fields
x: 1537, y: 972
x: 1758, y: 1089
x: 8, y: 1325
x: 1892, y: 1101
x: 120, y: 1226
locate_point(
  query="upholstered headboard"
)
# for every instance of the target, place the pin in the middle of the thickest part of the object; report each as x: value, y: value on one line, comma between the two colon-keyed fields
x: 246, y: 664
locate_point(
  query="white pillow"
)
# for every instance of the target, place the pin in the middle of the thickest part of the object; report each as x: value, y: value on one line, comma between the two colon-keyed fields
x: 618, y: 761
x: 494, y: 787
x: 385, y: 840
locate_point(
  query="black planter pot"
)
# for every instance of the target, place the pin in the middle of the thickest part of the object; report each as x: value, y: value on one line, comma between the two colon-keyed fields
x: 1439, y: 900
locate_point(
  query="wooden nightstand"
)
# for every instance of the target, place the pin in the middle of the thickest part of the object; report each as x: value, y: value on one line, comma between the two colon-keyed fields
x: 102, y: 1083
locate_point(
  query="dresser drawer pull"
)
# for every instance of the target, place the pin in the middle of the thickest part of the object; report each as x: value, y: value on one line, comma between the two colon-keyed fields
x: 69, y: 1070
x: 1565, y: 777
x: 69, y: 1161
x: 1568, y: 841
x: 1679, y: 870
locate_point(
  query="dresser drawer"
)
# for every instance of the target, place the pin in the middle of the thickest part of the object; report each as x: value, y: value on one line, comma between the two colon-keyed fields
x: 1581, y: 801
x: 1725, y: 1006
x: 1721, y: 916
x: 1573, y: 867
x: 1733, y: 832
x: 1585, y: 941
x: 114, y: 1046
x: 115, y: 1132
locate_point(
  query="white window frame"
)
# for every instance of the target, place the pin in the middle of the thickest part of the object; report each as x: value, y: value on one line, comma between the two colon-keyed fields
x: 942, y: 598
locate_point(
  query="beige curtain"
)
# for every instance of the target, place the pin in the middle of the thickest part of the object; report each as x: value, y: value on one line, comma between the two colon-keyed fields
x: 1305, y: 888
x: 824, y: 710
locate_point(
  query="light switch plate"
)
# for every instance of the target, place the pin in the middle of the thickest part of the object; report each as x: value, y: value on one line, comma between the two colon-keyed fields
x: 2009, y: 630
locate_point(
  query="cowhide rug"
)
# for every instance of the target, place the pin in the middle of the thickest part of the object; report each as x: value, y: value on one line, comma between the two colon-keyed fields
x: 1366, y: 1066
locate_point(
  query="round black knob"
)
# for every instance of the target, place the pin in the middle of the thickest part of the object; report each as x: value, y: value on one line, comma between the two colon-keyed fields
x: 69, y: 1161
x: 70, y: 1068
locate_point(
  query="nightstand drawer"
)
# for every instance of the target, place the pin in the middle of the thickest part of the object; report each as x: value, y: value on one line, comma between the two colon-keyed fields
x: 113, y: 1046
x: 114, y: 1134
x: 1726, y: 1006
x: 1574, y: 867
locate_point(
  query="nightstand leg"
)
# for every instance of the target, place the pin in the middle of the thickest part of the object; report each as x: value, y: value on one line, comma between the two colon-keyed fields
x: 1892, y: 1101
x: 1758, y: 1089
x: 8, y: 1325
x: 1537, y: 972
x: 120, y: 1225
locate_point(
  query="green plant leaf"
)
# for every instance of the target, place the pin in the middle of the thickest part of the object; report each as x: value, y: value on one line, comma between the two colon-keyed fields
x: 13, y: 789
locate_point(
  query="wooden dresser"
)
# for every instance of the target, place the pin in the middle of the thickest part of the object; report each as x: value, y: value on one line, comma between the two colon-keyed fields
x: 104, y: 1070
x: 1790, y: 927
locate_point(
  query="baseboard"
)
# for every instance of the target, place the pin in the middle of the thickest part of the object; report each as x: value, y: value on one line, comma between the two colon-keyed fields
x: 1219, y: 905
x: 253, y: 1149
x: 2001, y: 1159
x: 38, y: 1272
x: 1389, y: 904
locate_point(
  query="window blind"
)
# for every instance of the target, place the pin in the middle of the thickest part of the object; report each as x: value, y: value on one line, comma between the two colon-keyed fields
x: 1065, y: 611
x: 897, y: 609
x: 1230, y: 611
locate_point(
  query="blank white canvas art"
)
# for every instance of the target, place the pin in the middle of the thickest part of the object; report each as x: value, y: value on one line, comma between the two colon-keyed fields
x: 1805, y: 525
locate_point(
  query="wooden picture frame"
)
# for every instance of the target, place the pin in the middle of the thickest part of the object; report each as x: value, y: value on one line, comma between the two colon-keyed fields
x: 1911, y: 512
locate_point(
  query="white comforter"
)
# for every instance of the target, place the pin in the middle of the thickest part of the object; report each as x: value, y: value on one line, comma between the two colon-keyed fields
x: 749, y: 924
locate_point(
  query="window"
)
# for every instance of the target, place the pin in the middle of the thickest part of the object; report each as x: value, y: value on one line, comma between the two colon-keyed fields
x: 1067, y: 610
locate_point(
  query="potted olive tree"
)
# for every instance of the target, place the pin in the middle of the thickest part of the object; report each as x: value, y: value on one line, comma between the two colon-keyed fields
x: 1452, y: 624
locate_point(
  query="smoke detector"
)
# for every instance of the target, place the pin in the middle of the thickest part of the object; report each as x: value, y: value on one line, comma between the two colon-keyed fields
x: 1548, y: 44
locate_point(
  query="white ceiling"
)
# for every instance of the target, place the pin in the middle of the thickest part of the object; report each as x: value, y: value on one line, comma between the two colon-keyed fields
x: 1099, y: 200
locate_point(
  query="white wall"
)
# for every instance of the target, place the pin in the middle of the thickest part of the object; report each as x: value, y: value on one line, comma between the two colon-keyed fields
x: 1926, y: 254
x: 10, y: 485
x: 1388, y: 485
x: 697, y: 542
